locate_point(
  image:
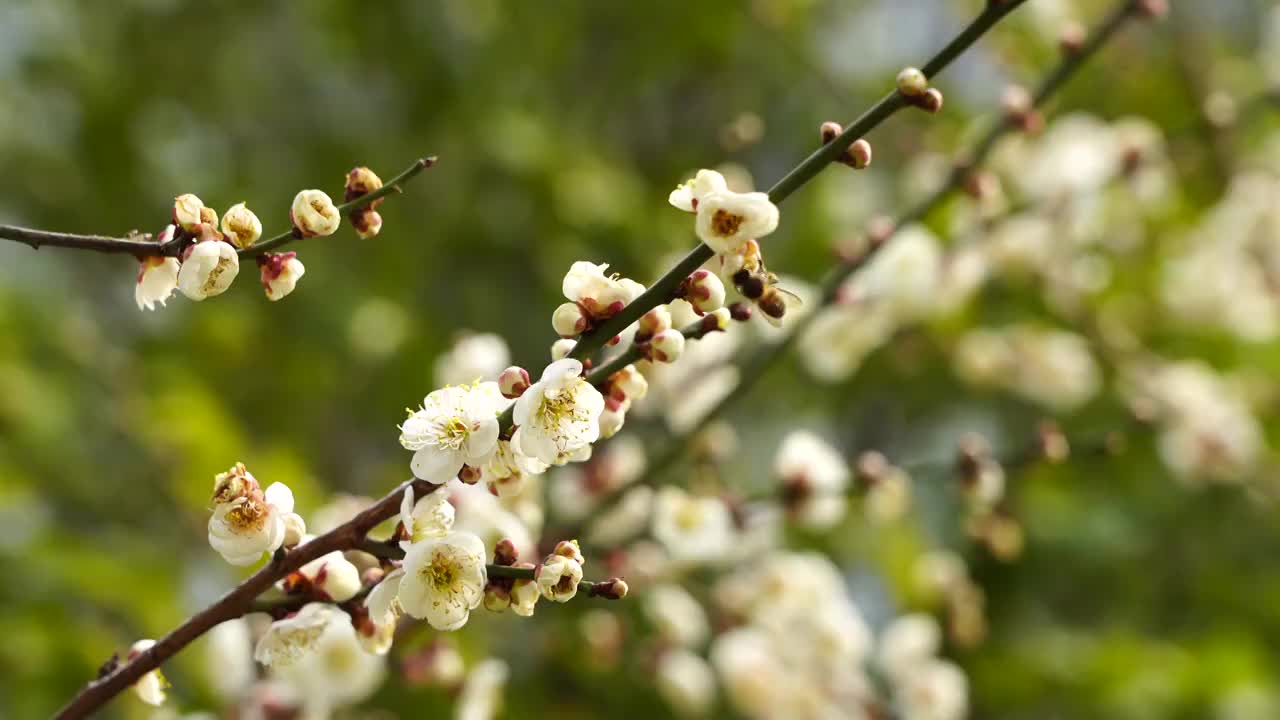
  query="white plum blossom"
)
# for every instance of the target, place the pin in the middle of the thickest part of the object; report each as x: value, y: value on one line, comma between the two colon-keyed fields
x: 558, y: 577
x: 727, y: 219
x: 686, y: 682
x: 444, y: 579
x: 431, y: 516
x: 334, y: 670
x: 524, y: 595
x: 694, y: 530
x: 456, y: 426
x: 686, y: 195
x: 383, y: 600
x: 816, y: 478
x: 481, y: 696
x: 246, y: 521
x: 314, y: 214
x: 229, y: 659
x: 279, y: 273
x: 559, y: 415
x: 187, y: 212
x: 908, y: 641
x: 678, y: 617
x: 157, y: 279
x: 208, y: 269
x: 150, y: 687
x: 288, y: 640
x: 598, y: 295
x: 933, y: 690
x: 473, y: 356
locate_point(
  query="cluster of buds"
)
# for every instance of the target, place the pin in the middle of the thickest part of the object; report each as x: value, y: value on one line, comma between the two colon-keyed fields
x: 752, y: 280
x: 516, y: 594
x: 593, y: 298
x: 856, y: 156
x: 360, y: 182
x: 914, y: 88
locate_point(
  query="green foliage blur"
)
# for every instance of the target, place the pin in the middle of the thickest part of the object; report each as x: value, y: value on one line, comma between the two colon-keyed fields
x: 560, y: 126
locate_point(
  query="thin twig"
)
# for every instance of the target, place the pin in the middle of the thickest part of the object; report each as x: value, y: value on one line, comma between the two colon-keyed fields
x: 661, y: 291
x: 141, y: 245
x: 755, y: 365
x: 238, y: 601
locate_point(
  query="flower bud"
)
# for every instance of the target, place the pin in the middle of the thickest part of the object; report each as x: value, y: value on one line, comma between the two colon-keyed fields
x: 571, y: 550
x: 870, y: 467
x: 368, y: 223
x: 524, y: 594
x: 186, y: 212
x: 208, y: 267
x: 704, y: 291
x: 1072, y: 38
x: 740, y: 311
x: 568, y: 320
x: 716, y: 321
x: 360, y: 182
x: 630, y: 382
x: 560, y: 349
x: 829, y: 131
x: 912, y: 83
x: 513, y: 382
x: 505, y: 553
x: 931, y: 101
x: 667, y: 345
x: 313, y: 214
x: 294, y: 529
x: 240, y: 226
x: 280, y: 273
x: 496, y: 597
x: 611, y: 421
x: 612, y: 589
x: 652, y: 323
x: 859, y: 154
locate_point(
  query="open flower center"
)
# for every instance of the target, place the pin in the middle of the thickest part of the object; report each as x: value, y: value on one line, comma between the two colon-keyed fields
x: 452, y: 432
x: 441, y: 574
x: 247, y: 516
x: 725, y: 223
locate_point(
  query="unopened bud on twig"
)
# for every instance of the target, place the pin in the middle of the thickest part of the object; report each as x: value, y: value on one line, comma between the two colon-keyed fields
x: 912, y: 83
x: 569, y: 320
x: 513, y: 382
x: 504, y: 552
x: 611, y: 589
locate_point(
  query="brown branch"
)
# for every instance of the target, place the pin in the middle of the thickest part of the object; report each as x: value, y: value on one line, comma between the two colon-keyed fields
x: 141, y: 245
x: 237, y: 602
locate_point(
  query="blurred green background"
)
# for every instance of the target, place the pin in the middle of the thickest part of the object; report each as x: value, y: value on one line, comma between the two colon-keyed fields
x: 560, y: 127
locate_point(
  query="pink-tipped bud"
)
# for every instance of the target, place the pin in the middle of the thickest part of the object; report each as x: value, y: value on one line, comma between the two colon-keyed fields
x: 630, y: 382
x: 497, y: 598
x: 1071, y: 38
x: 360, y: 182
x: 830, y: 131
x: 611, y: 589
x: 858, y: 156
x: 571, y: 550
x: 704, y: 290
x: 367, y: 222
x: 1154, y: 9
x: 561, y: 348
x: 930, y: 101
x: 717, y: 321
x: 667, y: 346
x: 505, y: 553
x: 912, y: 83
x: 513, y: 382
x: 569, y: 320
x: 653, y: 322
